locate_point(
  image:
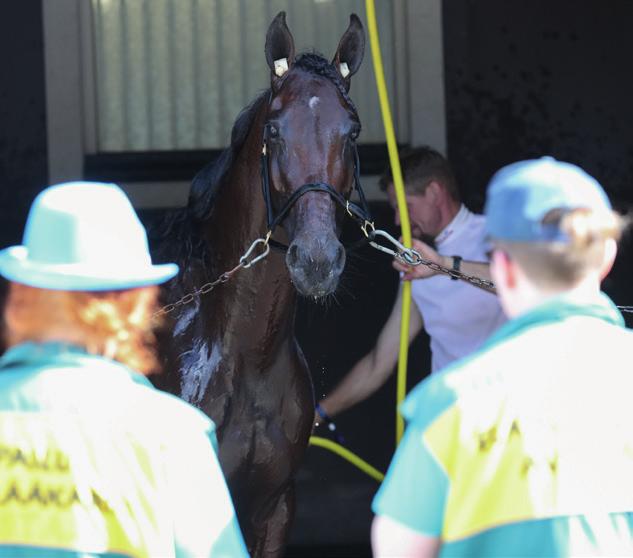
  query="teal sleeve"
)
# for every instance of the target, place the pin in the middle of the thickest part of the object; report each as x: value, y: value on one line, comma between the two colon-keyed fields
x: 230, y: 543
x: 213, y: 438
x: 206, y: 524
x: 415, y: 488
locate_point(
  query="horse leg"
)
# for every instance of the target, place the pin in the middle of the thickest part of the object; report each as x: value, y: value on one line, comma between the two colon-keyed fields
x: 276, y: 525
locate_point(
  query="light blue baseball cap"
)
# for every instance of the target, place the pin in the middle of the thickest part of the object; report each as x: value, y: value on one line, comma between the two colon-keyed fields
x: 83, y: 236
x: 521, y: 194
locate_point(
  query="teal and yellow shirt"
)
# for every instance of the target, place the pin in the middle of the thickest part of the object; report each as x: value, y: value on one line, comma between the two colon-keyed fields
x: 526, y: 447
x: 95, y: 462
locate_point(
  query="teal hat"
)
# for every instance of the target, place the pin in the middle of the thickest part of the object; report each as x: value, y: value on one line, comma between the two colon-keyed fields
x: 521, y: 194
x: 83, y: 236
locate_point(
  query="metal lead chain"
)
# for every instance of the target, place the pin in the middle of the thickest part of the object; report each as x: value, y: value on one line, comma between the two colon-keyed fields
x: 208, y: 287
x: 245, y: 262
x: 408, y: 256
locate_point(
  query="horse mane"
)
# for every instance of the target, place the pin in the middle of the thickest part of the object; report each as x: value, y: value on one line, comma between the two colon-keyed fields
x: 178, y: 232
x: 177, y: 235
x: 206, y: 182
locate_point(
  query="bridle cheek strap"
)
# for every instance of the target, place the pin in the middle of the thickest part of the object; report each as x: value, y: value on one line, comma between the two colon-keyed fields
x: 360, y: 213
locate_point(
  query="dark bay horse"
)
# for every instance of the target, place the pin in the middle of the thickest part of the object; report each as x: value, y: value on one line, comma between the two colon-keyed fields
x: 232, y: 352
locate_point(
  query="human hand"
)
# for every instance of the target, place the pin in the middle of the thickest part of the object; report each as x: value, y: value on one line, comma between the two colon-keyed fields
x: 318, y: 421
x: 411, y: 272
x: 321, y: 418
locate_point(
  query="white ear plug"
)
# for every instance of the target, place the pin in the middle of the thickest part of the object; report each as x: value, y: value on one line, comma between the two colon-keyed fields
x: 344, y: 69
x: 281, y: 66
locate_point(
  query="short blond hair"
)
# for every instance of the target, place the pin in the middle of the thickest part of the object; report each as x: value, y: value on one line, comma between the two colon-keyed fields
x: 562, y: 264
x: 115, y: 324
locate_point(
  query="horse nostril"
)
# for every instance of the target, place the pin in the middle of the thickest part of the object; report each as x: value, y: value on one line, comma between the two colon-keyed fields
x: 293, y: 255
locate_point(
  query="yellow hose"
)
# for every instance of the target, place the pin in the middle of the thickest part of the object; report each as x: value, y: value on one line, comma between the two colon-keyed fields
x: 402, y: 207
x: 347, y: 455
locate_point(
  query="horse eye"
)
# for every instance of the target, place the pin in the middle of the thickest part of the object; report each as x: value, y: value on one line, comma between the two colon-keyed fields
x: 353, y: 135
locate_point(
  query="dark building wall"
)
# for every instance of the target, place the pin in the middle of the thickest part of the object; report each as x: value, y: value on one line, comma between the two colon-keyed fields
x: 23, y: 158
x: 526, y: 78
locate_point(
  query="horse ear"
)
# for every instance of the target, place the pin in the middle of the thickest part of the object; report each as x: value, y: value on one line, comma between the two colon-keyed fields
x: 351, y: 48
x: 280, y: 48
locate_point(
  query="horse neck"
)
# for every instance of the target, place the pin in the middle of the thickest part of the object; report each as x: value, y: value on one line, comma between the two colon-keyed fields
x: 238, y: 219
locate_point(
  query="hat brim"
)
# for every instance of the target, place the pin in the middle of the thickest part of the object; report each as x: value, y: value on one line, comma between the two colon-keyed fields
x: 16, y: 266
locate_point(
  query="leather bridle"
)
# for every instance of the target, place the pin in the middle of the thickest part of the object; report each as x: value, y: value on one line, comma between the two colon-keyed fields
x: 359, y: 212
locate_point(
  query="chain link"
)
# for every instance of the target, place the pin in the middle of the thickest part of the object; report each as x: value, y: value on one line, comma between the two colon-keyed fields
x: 408, y: 256
x: 244, y: 262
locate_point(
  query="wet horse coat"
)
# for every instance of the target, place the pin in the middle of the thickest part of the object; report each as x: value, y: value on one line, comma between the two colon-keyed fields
x: 233, y: 352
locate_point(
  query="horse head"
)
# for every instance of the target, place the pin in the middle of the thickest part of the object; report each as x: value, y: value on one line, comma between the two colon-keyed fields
x: 309, y: 138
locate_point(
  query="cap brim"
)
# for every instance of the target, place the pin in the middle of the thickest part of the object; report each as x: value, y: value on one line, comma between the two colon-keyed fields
x: 15, y: 266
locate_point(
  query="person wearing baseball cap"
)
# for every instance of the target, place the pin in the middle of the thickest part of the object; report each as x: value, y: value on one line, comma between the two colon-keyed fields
x: 93, y: 460
x: 525, y: 448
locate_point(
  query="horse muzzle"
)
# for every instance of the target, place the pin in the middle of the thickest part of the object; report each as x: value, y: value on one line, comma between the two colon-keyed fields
x: 315, y: 265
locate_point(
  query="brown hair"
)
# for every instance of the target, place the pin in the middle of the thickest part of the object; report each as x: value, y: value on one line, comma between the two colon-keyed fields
x: 563, y: 264
x: 420, y: 166
x: 114, y: 324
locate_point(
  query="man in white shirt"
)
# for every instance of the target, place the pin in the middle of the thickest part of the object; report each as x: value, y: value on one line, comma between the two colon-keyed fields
x: 457, y: 315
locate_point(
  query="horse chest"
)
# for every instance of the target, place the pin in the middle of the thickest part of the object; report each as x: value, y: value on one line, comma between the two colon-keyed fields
x: 233, y: 379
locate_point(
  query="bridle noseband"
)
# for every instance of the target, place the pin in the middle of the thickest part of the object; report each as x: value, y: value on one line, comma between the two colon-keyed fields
x: 360, y: 213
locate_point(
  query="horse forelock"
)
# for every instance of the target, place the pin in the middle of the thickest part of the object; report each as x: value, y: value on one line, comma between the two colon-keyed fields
x: 316, y: 64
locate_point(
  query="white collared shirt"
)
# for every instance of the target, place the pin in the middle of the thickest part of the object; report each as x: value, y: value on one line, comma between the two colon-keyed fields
x: 458, y: 316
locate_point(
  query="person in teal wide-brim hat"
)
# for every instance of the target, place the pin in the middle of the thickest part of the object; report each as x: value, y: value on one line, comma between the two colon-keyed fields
x: 94, y: 461
x: 83, y: 236
x: 525, y: 448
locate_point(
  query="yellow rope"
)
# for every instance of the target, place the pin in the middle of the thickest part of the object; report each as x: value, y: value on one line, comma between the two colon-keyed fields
x: 348, y: 456
x: 402, y: 207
